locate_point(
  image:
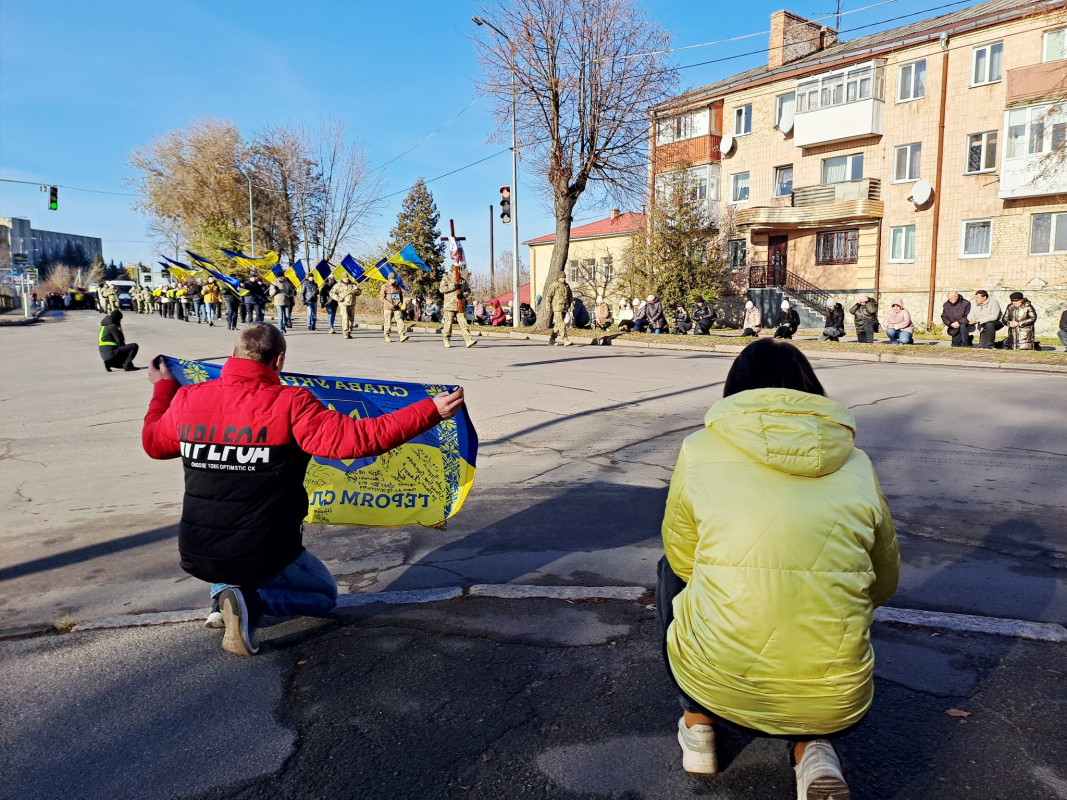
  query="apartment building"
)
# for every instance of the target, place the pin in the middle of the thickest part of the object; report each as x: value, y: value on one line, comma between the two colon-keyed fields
x: 903, y: 164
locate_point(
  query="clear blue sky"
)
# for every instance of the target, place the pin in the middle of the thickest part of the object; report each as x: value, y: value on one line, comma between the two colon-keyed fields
x: 83, y: 83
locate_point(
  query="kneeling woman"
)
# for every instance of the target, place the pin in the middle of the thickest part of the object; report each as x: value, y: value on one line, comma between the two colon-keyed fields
x: 779, y: 544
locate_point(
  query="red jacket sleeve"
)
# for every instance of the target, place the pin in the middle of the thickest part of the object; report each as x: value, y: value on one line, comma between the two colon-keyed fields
x: 330, y: 434
x: 158, y: 439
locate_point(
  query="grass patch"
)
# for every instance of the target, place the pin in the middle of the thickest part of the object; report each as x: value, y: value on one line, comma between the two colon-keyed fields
x: 64, y: 625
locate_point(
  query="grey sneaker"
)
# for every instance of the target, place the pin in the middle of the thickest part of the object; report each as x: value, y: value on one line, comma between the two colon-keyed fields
x: 238, y: 638
x: 698, y: 748
x: 819, y: 774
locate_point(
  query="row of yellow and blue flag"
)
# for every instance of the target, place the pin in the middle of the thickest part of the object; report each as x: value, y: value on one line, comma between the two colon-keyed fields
x: 297, y: 272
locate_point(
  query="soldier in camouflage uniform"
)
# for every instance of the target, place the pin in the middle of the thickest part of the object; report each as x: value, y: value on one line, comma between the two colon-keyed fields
x: 345, y: 293
x: 392, y: 298
x: 110, y: 298
x: 452, y: 308
x: 560, y: 299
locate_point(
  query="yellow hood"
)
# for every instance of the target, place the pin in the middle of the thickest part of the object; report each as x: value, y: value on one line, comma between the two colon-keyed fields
x: 791, y: 431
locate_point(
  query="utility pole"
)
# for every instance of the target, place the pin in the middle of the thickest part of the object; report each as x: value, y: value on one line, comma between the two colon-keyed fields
x: 492, y: 266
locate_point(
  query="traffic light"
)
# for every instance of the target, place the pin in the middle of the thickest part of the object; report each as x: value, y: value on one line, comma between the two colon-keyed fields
x: 505, y: 204
x: 53, y: 198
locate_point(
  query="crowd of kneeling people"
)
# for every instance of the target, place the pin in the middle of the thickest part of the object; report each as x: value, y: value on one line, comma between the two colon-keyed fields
x: 968, y: 323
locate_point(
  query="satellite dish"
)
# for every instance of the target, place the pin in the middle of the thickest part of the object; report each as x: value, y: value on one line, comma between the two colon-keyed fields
x: 785, y: 124
x: 727, y: 143
x: 921, y: 192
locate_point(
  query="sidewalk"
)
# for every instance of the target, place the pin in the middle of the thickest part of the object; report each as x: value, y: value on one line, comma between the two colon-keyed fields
x: 485, y: 697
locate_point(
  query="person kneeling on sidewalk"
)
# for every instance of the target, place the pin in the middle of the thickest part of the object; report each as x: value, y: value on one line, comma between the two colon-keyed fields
x: 766, y: 611
x: 241, y: 529
x: 112, y: 343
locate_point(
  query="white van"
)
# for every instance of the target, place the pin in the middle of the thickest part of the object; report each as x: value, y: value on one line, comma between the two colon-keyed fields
x: 122, y: 288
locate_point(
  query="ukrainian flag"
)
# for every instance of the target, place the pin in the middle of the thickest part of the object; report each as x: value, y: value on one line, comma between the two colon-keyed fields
x: 352, y: 267
x: 321, y: 272
x: 266, y: 262
x: 383, y: 272
x: 296, y: 273
x: 407, y: 257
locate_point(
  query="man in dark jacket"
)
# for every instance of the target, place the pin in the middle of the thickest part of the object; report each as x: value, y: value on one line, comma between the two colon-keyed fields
x: 113, y: 348
x: 865, y: 312
x: 245, y: 442
x: 657, y: 321
x: 703, y: 317
x: 328, y: 303
x: 309, y: 294
x: 788, y: 322
x: 954, y: 314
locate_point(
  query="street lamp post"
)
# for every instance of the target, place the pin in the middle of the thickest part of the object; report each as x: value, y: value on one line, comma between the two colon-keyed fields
x: 514, y: 182
x: 246, y: 172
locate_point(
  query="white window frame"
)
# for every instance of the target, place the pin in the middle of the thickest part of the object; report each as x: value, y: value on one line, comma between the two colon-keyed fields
x: 1062, y: 34
x: 850, y: 167
x: 987, y: 149
x: 902, y: 258
x: 732, y: 249
x: 987, y: 78
x: 607, y: 269
x: 743, y: 117
x: 912, y: 162
x: 777, y: 182
x: 851, y: 85
x: 963, y: 237
x: 1040, y: 126
x: 733, y: 187
x: 572, y: 272
x: 1057, y: 219
x: 778, y: 102
x: 914, y: 67
x: 684, y: 126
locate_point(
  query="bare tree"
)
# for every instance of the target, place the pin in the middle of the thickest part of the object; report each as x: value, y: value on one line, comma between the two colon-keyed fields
x: 586, y: 72
x: 350, y: 190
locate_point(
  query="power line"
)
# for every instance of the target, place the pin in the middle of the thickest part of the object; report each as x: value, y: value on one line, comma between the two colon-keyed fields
x: 453, y: 172
x: 69, y: 188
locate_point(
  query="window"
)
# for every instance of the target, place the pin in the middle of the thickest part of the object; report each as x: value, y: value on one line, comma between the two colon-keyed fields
x: 783, y: 181
x: 837, y: 247
x: 977, y: 238
x: 862, y: 82
x: 906, y: 162
x: 737, y: 252
x: 572, y: 272
x: 1048, y: 234
x: 743, y: 120
x: 607, y: 270
x: 902, y: 243
x: 842, y: 168
x: 687, y: 126
x: 1055, y: 48
x: 739, y: 187
x: 588, y: 271
x: 784, y: 104
x: 981, y: 152
x: 912, y: 83
x: 986, y: 63
x: 1037, y: 129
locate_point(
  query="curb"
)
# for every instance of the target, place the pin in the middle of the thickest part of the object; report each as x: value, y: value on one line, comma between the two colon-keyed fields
x: 937, y: 620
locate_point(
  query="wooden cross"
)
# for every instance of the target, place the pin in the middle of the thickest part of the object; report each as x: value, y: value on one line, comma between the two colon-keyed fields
x: 455, y: 267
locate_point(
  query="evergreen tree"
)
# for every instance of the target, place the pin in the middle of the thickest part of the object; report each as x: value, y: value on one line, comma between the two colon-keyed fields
x: 417, y: 224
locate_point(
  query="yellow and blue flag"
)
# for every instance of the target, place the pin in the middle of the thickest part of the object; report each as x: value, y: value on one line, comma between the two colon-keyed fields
x: 407, y: 257
x: 296, y: 273
x: 179, y: 270
x: 353, y: 268
x: 383, y: 273
x: 422, y: 482
x: 321, y: 272
x: 268, y: 262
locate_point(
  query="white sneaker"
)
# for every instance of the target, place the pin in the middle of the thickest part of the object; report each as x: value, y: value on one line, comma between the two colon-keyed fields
x: 214, y: 620
x: 698, y: 748
x: 238, y: 638
x: 819, y: 774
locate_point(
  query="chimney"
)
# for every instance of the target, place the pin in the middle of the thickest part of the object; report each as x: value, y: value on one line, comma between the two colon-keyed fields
x: 614, y: 213
x: 793, y: 38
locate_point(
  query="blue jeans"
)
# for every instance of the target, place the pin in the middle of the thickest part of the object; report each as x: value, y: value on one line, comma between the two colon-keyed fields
x: 231, y: 313
x: 305, y: 588
x: 198, y: 309
x: 285, y: 317
x: 331, y: 315
x: 313, y: 315
x: 897, y: 336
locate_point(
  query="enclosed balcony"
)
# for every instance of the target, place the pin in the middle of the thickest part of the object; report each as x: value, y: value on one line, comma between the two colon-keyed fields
x: 1035, y: 152
x: 837, y: 106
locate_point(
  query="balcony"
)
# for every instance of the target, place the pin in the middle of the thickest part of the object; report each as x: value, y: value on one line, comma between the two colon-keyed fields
x: 1034, y: 83
x: 1035, y: 152
x: 699, y: 150
x: 820, y: 206
x: 842, y: 105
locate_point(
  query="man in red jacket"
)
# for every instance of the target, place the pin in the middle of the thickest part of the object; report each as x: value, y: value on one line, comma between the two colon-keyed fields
x: 245, y: 442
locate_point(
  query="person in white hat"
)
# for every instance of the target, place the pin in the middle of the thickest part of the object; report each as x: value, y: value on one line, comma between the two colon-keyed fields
x: 753, y: 322
x: 834, y: 327
x: 788, y: 322
x: 625, y: 317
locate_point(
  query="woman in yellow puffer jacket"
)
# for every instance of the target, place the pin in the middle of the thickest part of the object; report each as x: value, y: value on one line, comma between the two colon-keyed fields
x: 779, y: 544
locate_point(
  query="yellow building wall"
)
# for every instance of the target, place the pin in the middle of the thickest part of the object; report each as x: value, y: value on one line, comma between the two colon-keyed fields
x: 613, y: 247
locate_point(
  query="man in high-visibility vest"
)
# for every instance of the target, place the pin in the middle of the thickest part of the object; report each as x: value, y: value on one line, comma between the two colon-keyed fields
x: 112, y: 343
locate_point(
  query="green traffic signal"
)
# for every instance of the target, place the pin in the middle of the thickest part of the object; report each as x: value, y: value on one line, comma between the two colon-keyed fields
x: 53, y: 198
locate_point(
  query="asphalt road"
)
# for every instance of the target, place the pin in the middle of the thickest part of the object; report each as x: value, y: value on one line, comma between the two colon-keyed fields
x: 577, y: 447
x: 483, y: 697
